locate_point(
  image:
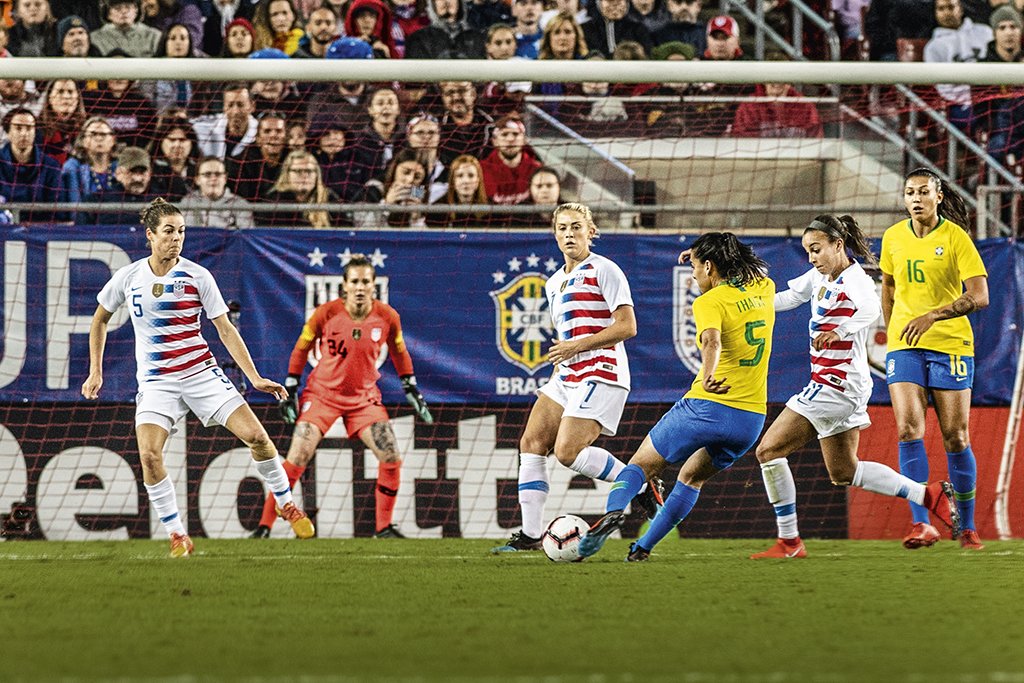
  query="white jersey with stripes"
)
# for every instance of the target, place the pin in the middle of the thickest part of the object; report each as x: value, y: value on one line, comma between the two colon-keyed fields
x: 847, y: 306
x: 165, y: 313
x: 581, y: 304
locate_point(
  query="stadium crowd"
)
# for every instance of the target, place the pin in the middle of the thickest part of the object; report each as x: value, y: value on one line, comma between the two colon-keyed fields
x: 243, y: 144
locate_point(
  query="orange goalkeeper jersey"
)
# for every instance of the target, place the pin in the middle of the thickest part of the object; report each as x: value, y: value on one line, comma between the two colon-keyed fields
x: 347, y: 370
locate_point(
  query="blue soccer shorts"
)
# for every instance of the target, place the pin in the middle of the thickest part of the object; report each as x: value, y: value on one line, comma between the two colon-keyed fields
x: 693, y: 423
x: 929, y: 369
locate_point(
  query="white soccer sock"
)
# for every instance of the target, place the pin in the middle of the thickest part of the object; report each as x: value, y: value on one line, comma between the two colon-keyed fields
x: 273, y: 473
x: 533, y: 492
x: 597, y: 463
x: 781, y: 489
x: 163, y: 500
x: 879, y: 478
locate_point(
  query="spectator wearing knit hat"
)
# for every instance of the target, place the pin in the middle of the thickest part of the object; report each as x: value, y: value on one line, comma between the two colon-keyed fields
x: 73, y: 38
x: 998, y: 111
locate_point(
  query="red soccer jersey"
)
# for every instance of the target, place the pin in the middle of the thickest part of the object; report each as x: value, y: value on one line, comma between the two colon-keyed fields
x: 347, y: 371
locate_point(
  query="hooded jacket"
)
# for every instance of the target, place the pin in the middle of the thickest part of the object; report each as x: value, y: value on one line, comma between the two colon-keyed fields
x: 383, y: 31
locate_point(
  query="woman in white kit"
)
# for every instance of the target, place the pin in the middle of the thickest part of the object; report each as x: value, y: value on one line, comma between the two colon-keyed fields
x: 166, y: 295
x: 833, y: 406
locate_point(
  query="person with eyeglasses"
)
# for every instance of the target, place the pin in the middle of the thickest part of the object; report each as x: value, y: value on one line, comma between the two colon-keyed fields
x: 230, y: 210
x: 423, y: 134
x: 90, y: 169
x: 300, y: 182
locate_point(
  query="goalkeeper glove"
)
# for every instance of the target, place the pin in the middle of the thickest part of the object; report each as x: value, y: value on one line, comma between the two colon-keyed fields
x: 416, y: 400
x: 289, y: 407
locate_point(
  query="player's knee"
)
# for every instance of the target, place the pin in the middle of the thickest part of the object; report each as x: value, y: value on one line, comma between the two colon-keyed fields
x: 390, y: 457
x: 956, y: 441
x: 767, y: 451
x: 910, y: 431
x: 260, y: 444
x: 531, y: 444
x: 150, y: 458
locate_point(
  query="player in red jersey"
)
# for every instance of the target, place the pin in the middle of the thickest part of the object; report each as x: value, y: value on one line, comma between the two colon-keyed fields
x: 351, y: 329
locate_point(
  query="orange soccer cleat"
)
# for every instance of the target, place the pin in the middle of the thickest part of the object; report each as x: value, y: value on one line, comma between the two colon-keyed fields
x: 181, y: 545
x: 921, y: 536
x: 969, y: 540
x: 784, y: 548
x: 301, y: 524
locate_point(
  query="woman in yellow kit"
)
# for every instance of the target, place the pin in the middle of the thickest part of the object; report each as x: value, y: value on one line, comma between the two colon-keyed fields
x: 721, y: 416
x: 932, y: 277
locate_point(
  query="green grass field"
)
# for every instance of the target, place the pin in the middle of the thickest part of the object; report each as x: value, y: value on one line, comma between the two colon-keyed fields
x: 327, y: 610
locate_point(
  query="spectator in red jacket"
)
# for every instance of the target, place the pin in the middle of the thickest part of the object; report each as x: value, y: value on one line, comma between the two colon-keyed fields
x: 371, y: 21
x: 776, y: 119
x: 508, y: 168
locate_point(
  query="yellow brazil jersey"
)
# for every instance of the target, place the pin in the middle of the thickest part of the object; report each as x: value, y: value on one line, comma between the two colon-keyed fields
x: 929, y: 272
x: 745, y: 316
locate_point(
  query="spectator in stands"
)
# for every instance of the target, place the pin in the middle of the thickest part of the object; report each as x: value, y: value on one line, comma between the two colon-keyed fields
x: 563, y: 39
x: 370, y: 20
x: 73, y: 38
x: 32, y: 34
x: 89, y: 11
x: 334, y: 154
x: 776, y: 119
x: 448, y: 34
x: 569, y: 7
x: 507, y: 170
x: 888, y: 20
x: 174, y: 151
x: 132, y: 180
x: 61, y: 118
x: 374, y: 146
x: 344, y: 105
x: 16, y: 93
x: 239, y: 39
x: 251, y: 173
x: 629, y: 51
x: 466, y: 186
x: 999, y: 111
x: 723, y: 39
x: 465, y: 129
x: 403, y: 184
x: 528, y: 32
x: 231, y: 131
x: 956, y: 39
x: 849, y: 19
x: 5, y: 39
x: 545, y: 190
x: 423, y: 134
x: 90, y: 169
x: 651, y: 13
x: 497, y: 97
x: 129, y: 112
x: 175, y: 43
x: 674, y: 119
x: 276, y: 25
x: 122, y: 32
x: 27, y: 173
x: 300, y: 181
x: 411, y: 16
x: 609, y: 25
x: 295, y: 134
x: 282, y: 96
x: 230, y: 211
x: 162, y: 14
x: 321, y: 30
x: 715, y: 118
x: 685, y: 25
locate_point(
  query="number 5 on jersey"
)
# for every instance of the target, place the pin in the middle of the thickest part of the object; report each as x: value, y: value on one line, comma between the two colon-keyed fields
x: 756, y: 342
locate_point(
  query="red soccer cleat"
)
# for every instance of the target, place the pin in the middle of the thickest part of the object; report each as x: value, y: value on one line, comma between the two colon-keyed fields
x: 784, y: 549
x: 939, y: 499
x: 921, y: 536
x: 969, y: 540
x: 181, y: 545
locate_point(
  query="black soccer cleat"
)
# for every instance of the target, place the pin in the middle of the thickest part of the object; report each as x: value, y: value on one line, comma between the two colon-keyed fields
x: 390, y: 531
x: 599, y: 533
x: 651, y: 499
x: 637, y: 554
x: 519, y: 542
x: 262, y: 531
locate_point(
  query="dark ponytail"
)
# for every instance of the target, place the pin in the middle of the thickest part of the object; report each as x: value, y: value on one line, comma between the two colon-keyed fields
x: 735, y: 261
x: 157, y: 209
x: 844, y: 228
x: 952, y: 207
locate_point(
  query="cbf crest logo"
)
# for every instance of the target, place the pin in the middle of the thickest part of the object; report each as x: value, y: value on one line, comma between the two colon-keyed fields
x: 522, y: 320
x: 684, y: 328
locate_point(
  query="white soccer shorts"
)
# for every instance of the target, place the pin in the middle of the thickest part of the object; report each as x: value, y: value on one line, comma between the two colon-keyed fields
x: 208, y: 394
x: 830, y: 411
x: 590, y: 400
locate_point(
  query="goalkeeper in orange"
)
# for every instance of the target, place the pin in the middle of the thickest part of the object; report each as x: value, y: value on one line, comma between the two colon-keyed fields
x: 351, y: 329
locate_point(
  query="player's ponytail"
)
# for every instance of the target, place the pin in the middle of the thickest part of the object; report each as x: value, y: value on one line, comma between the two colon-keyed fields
x: 157, y: 209
x: 952, y: 207
x: 844, y: 228
x: 736, y: 262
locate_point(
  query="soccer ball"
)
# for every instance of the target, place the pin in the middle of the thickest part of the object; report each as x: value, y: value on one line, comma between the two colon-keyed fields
x: 561, y: 539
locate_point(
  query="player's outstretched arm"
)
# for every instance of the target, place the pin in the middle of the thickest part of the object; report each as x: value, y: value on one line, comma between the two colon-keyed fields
x: 235, y: 345
x: 97, y: 344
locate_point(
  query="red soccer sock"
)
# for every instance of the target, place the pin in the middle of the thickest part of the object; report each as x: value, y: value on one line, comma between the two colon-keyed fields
x: 389, y: 477
x: 270, y: 504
